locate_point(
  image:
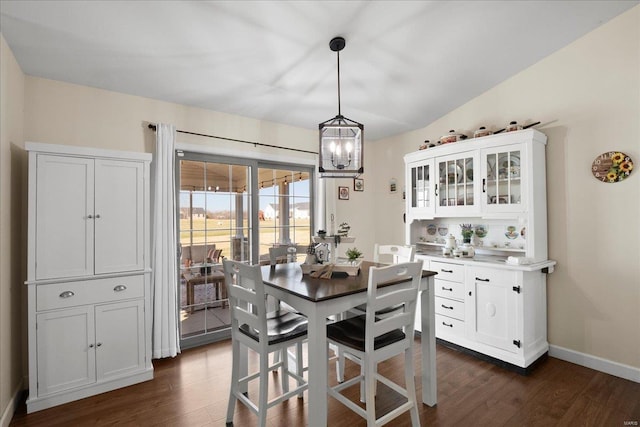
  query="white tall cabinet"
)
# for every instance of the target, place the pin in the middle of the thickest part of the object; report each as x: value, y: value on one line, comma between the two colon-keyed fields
x: 88, y: 272
x: 483, y: 304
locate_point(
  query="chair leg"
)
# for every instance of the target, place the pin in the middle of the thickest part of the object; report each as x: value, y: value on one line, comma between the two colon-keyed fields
x: 370, y: 382
x: 340, y: 366
x: 299, y: 366
x: 284, y: 369
x: 263, y: 397
x: 411, y: 387
x: 235, y: 376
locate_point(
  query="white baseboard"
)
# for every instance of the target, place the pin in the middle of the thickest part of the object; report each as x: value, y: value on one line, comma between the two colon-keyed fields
x: 7, y: 415
x: 593, y: 362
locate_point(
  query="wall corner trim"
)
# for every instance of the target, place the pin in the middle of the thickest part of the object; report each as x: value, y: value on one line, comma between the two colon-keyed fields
x: 11, y: 407
x: 594, y: 362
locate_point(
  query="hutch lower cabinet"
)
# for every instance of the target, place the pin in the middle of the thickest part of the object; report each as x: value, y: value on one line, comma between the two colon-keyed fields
x: 497, y: 312
x: 88, y: 275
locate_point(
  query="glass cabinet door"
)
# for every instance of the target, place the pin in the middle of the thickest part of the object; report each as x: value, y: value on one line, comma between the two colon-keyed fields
x: 420, y: 186
x: 503, y: 184
x: 456, y: 182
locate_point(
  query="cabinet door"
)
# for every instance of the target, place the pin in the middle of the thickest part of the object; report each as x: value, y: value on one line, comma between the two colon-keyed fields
x: 457, y: 190
x: 64, y: 217
x: 119, y: 231
x: 65, y: 349
x: 493, y: 306
x: 120, y: 339
x: 421, y: 179
x: 503, y: 179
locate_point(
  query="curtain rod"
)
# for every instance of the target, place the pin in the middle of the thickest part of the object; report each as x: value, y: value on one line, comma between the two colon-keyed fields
x: 153, y: 127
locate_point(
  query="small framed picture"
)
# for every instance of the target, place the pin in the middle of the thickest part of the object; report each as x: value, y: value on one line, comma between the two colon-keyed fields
x: 343, y: 193
x: 358, y: 184
x: 393, y: 186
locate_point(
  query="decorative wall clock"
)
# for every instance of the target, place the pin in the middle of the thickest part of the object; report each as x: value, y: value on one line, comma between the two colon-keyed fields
x: 613, y: 166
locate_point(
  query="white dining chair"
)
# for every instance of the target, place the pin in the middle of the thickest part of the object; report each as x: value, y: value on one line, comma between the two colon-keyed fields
x: 264, y: 333
x: 396, y: 254
x: 371, y: 340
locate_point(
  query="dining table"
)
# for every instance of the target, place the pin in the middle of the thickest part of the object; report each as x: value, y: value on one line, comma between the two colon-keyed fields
x: 319, y: 299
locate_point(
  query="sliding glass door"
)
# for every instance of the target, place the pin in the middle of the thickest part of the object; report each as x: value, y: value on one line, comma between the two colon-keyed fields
x: 231, y: 208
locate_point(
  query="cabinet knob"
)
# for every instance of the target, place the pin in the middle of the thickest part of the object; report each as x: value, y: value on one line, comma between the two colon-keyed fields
x: 90, y: 216
x: 67, y: 294
x: 98, y: 344
x: 120, y: 288
x: 90, y: 345
x: 97, y: 216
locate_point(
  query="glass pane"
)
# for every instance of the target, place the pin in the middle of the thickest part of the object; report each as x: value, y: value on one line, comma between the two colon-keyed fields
x: 213, y: 207
x: 285, y: 203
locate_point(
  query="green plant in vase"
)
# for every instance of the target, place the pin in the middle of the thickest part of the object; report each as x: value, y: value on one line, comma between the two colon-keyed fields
x: 467, y: 232
x: 353, y: 254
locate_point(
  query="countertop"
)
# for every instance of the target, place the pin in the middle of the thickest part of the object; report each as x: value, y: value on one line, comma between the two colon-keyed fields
x: 486, y: 260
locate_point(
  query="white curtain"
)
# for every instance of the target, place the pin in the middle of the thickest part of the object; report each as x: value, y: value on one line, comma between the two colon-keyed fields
x: 166, y: 335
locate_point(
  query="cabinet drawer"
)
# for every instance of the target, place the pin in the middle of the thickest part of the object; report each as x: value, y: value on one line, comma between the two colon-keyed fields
x: 449, y: 307
x: 443, y: 288
x: 448, y: 271
x: 449, y: 326
x: 494, y: 275
x: 70, y: 294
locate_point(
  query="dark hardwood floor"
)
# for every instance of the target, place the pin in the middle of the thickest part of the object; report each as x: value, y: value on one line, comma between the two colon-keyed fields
x: 192, y: 390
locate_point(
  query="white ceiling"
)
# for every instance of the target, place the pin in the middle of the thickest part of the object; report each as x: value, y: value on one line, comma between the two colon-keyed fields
x: 406, y: 63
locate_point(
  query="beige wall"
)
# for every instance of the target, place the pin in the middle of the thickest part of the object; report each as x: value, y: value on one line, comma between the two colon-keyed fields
x: 587, y: 95
x: 12, y: 267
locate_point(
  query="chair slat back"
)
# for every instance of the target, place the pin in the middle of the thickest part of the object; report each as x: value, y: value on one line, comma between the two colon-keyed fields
x: 398, y: 252
x: 283, y: 251
x: 405, y: 293
x: 245, y: 290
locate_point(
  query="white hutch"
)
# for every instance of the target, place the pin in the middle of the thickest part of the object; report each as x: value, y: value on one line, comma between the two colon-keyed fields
x: 493, y: 304
x: 88, y: 272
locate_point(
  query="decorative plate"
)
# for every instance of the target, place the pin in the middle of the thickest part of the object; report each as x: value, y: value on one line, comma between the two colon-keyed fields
x: 468, y: 166
x: 614, y: 166
x: 481, y: 231
x: 508, y: 168
x: 511, y: 232
x: 431, y: 229
x: 443, y: 231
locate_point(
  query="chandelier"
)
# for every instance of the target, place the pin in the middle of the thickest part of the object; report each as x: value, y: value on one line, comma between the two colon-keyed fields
x: 341, y: 154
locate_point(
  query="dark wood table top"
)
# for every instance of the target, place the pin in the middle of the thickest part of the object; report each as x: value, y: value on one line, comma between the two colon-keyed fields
x: 289, y: 278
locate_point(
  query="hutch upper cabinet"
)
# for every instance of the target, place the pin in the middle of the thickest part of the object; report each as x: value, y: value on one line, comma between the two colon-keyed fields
x: 481, y: 177
x: 88, y: 272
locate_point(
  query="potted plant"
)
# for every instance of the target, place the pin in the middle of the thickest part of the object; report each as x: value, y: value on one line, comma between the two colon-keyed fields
x: 353, y: 254
x: 467, y: 232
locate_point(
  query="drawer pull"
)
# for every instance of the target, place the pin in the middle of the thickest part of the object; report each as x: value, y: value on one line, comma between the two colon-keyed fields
x: 120, y: 288
x: 447, y: 307
x: 448, y: 324
x: 67, y: 294
x: 481, y: 280
x: 446, y: 271
x: 447, y: 289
